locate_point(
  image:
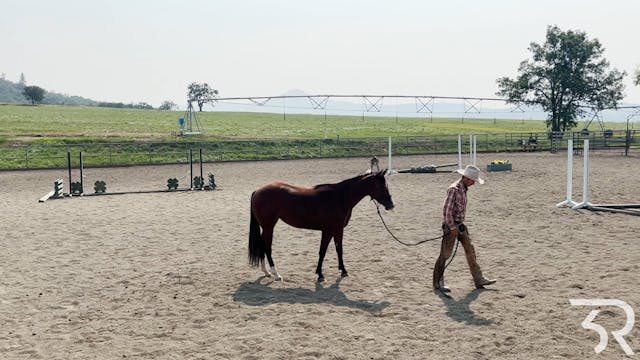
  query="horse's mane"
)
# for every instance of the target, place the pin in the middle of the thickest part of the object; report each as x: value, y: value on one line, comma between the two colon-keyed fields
x: 341, y: 183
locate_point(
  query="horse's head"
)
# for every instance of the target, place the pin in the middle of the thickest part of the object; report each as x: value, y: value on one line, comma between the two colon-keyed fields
x: 380, y: 191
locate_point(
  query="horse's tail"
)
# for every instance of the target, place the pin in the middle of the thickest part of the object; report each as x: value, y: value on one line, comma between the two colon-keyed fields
x: 256, y: 243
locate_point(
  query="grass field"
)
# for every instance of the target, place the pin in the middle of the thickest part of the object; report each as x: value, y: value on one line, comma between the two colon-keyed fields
x: 60, y: 124
x: 40, y: 136
x: 68, y: 124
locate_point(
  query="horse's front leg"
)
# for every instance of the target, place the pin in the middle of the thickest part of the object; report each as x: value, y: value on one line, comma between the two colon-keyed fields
x: 337, y: 238
x: 324, y: 244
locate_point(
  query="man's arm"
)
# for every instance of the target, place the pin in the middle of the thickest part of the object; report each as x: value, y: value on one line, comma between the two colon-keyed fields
x: 449, y: 204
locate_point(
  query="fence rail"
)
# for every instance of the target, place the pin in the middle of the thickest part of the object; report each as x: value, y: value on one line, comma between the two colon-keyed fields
x: 143, y: 153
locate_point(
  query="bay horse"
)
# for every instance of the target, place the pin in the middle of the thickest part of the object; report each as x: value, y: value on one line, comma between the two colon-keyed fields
x: 325, y: 207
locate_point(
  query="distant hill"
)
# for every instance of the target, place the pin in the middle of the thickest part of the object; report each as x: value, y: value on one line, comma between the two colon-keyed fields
x: 11, y: 92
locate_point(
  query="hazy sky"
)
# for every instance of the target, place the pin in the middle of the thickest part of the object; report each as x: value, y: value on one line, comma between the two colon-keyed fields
x: 143, y: 50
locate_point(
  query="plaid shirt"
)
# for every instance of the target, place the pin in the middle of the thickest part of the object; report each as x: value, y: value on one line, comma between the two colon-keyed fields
x: 455, y: 204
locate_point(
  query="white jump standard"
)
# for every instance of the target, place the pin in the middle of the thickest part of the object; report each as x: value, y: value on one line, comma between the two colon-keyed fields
x: 585, y: 178
x: 585, y: 204
x: 569, y: 201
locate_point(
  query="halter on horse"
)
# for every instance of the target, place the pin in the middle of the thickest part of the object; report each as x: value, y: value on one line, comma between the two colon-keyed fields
x: 325, y: 207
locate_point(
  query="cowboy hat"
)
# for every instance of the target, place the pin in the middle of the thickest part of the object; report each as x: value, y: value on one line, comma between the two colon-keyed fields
x: 472, y: 173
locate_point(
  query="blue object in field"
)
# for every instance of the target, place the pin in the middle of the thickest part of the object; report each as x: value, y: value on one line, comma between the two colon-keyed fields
x: 181, y: 122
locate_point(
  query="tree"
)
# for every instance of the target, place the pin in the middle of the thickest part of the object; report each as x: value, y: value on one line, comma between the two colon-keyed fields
x: 167, y: 105
x: 566, y: 76
x: 202, y: 93
x: 142, y: 105
x: 35, y: 94
x: 637, y: 80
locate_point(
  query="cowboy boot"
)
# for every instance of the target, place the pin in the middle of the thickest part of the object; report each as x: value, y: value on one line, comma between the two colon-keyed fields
x: 480, y: 284
x: 441, y: 286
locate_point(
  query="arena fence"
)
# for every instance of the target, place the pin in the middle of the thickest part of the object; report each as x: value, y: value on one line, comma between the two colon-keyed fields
x: 143, y: 153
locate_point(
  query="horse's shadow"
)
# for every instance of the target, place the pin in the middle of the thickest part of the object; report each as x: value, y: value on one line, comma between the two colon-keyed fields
x: 459, y: 310
x: 258, y: 294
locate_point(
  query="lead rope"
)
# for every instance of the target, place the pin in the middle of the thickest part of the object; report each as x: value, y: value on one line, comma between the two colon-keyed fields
x: 419, y: 242
x: 394, y: 237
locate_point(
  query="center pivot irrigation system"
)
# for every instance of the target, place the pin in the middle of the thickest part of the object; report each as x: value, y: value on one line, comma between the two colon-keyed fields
x: 630, y: 209
x: 403, y: 104
x: 412, y: 104
x: 398, y: 105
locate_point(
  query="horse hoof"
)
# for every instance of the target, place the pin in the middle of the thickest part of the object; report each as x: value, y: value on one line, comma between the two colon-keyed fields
x: 344, y: 274
x: 266, y: 272
x: 321, y: 279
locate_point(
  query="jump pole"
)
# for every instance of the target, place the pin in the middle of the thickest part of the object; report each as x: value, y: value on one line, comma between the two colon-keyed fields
x: 585, y: 178
x: 57, y: 191
x: 191, y: 168
x: 614, y: 210
x: 459, y: 151
x: 201, y: 176
x: 81, y: 181
x: 470, y: 149
x: 475, y: 149
x: 69, y: 169
x: 389, y: 160
x: 569, y: 201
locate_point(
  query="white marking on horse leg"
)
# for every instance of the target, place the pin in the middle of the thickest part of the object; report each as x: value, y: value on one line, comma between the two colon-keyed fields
x: 264, y: 269
x: 276, y: 275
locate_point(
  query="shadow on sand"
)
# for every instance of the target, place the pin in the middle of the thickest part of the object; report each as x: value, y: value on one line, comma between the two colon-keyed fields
x: 460, y: 311
x: 257, y: 294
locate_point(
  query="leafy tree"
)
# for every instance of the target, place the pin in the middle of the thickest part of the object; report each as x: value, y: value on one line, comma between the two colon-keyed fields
x: 167, y: 105
x: 142, y: 105
x: 637, y: 80
x: 567, y: 75
x: 202, y: 93
x: 23, y: 81
x: 35, y: 94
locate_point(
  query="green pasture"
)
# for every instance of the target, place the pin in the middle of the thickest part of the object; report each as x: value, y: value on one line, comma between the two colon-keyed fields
x: 60, y: 124
x: 41, y: 136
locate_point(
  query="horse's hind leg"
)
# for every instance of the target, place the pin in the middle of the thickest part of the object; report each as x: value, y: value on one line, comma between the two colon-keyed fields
x: 324, y: 244
x: 267, y: 234
x: 337, y: 238
x: 264, y: 269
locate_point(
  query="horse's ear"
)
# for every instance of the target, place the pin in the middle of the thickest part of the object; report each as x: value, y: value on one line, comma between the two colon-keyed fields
x: 382, y: 172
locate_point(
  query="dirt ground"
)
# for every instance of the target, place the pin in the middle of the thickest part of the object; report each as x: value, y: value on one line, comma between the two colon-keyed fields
x: 166, y: 275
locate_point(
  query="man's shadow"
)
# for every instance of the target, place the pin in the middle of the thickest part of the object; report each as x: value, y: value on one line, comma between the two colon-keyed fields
x: 257, y: 294
x: 460, y: 311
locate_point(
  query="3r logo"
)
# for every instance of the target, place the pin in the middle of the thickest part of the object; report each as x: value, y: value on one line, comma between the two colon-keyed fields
x: 604, y: 338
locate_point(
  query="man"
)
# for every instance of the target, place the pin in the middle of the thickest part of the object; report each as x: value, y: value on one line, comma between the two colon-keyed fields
x: 453, y: 228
